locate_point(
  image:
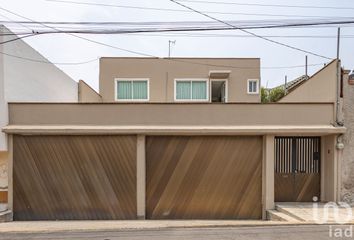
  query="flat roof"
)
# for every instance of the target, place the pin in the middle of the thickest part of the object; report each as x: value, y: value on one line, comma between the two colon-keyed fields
x: 206, y: 58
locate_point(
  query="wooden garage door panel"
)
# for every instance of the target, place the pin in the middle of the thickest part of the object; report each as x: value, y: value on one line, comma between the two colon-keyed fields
x: 204, y: 177
x: 74, y: 177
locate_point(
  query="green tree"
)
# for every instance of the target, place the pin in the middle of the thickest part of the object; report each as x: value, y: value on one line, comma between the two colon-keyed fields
x: 272, y: 95
x: 264, y: 95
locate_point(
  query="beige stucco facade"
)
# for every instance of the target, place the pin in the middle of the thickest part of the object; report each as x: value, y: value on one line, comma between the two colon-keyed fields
x: 162, y: 72
x: 87, y: 94
x: 309, y: 110
x: 302, y: 115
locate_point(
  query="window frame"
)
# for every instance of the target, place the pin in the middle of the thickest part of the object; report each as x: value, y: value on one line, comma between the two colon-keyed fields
x: 191, y: 80
x: 248, y: 85
x: 116, y: 80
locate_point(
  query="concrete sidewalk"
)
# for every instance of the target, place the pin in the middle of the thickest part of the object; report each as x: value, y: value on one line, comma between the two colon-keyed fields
x: 67, y: 226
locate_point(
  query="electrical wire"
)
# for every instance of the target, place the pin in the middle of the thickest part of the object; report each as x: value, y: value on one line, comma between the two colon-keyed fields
x: 17, y: 38
x: 269, y: 5
x: 143, y: 27
x: 182, y: 29
x: 80, y: 37
x: 180, y: 10
x: 48, y: 62
x: 138, y: 53
x: 251, y: 33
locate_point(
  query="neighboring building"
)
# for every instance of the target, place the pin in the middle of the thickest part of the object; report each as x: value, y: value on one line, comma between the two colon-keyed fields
x: 174, y: 139
x: 347, y: 166
x: 22, y: 80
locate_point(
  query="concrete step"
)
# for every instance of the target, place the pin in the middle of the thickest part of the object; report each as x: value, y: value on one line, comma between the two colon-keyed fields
x: 275, y: 215
x: 6, y: 216
x: 3, y: 207
x: 288, y: 212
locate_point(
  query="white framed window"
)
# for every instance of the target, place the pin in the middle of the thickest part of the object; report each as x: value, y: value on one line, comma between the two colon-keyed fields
x: 252, y: 86
x: 190, y: 89
x: 132, y: 89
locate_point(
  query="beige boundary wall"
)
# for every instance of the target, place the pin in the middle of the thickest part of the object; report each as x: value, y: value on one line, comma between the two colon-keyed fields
x: 267, y: 120
x: 181, y: 114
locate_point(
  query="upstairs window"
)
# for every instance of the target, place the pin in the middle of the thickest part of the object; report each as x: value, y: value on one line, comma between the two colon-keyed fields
x: 253, y: 86
x: 191, y: 90
x: 132, y: 89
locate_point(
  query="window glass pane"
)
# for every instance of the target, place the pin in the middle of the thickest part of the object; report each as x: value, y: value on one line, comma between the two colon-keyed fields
x: 199, y: 90
x: 254, y: 89
x: 250, y: 86
x: 140, y: 90
x: 124, y: 90
x: 183, y: 90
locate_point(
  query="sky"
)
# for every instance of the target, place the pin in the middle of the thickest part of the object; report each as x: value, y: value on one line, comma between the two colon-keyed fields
x: 66, y: 48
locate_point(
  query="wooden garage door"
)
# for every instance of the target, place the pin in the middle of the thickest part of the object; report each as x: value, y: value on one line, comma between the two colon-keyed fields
x: 74, y: 177
x: 204, y: 177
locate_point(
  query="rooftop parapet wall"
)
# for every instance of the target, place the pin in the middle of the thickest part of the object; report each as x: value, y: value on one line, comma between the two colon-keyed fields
x: 174, y: 114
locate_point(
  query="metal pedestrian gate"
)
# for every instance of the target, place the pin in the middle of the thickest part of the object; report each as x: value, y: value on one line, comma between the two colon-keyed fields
x: 297, y: 169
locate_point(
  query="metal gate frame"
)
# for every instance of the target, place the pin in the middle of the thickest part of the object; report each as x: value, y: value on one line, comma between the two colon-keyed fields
x: 297, y: 168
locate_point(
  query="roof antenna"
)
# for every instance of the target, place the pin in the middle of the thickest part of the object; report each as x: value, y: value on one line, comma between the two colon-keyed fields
x: 170, y: 42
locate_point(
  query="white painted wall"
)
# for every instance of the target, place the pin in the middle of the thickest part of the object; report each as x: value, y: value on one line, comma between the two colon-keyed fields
x: 26, y: 81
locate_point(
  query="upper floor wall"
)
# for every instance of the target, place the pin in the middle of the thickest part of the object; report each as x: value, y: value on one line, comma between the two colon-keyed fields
x: 179, y: 79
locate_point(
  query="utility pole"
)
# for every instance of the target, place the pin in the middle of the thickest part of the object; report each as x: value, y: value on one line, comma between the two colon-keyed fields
x: 169, y: 46
x: 286, y: 85
x: 339, y: 73
x: 338, y: 43
x: 306, y: 67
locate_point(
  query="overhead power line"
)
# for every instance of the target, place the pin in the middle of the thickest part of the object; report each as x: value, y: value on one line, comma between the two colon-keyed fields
x: 251, y: 33
x: 160, y: 27
x: 245, y: 23
x: 48, y: 62
x: 269, y: 5
x: 77, y: 36
x: 170, y: 59
x: 17, y: 38
x: 181, y: 10
x: 138, y: 53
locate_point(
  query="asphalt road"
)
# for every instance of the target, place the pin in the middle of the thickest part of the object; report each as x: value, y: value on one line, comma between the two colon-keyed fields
x: 315, y: 232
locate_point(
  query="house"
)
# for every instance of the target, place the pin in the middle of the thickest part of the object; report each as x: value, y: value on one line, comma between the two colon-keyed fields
x: 26, y: 76
x: 175, y: 138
